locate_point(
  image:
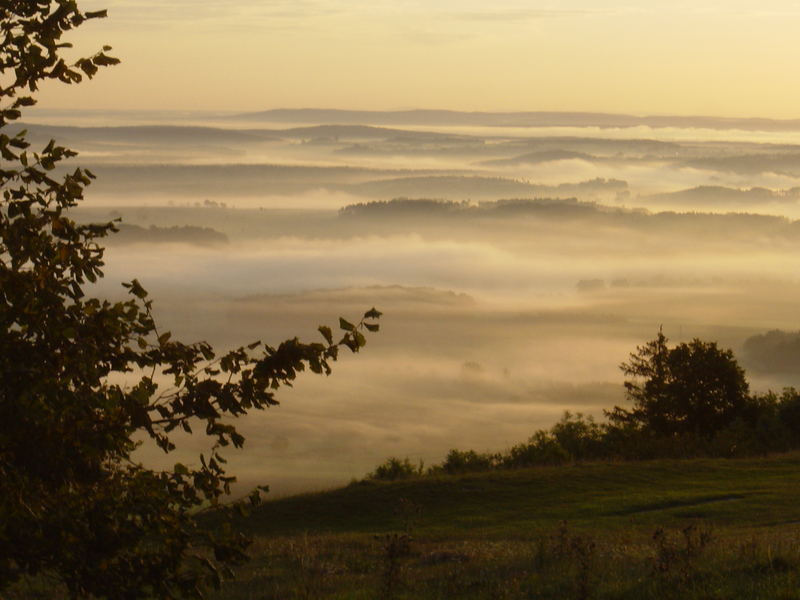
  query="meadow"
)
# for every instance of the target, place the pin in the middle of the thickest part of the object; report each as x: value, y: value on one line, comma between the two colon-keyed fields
x: 701, y: 528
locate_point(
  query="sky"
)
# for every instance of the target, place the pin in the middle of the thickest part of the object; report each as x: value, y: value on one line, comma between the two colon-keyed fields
x: 700, y: 57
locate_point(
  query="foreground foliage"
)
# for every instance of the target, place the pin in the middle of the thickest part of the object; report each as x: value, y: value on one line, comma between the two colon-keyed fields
x: 74, y: 503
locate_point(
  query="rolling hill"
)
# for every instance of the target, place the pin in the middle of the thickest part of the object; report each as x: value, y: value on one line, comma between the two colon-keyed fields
x: 645, y: 530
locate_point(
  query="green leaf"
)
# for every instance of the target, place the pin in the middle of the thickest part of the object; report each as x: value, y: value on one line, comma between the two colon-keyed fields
x: 88, y: 67
x: 373, y: 327
x: 326, y: 333
x: 105, y: 61
x: 373, y: 313
x: 346, y: 325
x: 136, y: 289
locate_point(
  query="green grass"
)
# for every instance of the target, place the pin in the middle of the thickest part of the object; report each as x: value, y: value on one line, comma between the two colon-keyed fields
x: 607, y: 496
x: 729, y: 529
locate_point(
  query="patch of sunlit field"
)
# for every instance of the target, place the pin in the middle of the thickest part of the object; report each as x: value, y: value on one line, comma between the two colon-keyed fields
x: 658, y: 529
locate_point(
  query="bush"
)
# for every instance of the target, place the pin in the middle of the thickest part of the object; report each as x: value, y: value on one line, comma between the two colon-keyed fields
x: 789, y: 413
x: 580, y: 436
x: 541, y: 449
x: 458, y: 461
x: 395, y: 468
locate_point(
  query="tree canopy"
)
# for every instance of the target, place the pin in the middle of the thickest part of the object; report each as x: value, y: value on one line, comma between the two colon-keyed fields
x: 74, y: 501
x: 696, y: 388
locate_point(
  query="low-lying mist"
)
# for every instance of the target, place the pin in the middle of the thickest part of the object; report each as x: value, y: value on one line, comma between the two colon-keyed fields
x: 512, y: 293
x: 480, y: 344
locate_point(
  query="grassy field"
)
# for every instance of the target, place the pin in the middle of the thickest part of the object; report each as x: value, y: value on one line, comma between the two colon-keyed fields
x: 662, y: 529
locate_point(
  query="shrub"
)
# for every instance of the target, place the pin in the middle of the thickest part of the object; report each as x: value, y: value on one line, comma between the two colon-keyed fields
x: 579, y: 436
x: 541, y: 449
x: 788, y: 406
x: 465, y: 461
x: 395, y: 468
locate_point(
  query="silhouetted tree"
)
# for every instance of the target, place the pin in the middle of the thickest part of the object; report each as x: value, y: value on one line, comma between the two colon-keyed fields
x: 695, y: 388
x: 74, y: 503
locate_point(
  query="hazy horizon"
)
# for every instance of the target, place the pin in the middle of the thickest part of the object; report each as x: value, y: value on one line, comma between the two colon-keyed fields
x: 619, y: 56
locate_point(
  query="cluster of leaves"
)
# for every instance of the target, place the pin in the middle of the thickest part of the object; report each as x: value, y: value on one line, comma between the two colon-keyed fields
x: 690, y: 400
x: 74, y: 503
x: 32, y: 33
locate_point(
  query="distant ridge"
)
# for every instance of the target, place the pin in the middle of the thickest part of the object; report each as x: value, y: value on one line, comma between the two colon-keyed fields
x: 512, y: 119
x: 535, y: 158
x: 725, y: 196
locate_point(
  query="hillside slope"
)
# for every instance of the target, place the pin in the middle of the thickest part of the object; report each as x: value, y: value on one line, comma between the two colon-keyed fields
x: 739, y: 493
x: 676, y: 530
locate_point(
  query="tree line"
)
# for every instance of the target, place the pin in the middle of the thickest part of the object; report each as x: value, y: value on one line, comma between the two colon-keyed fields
x: 689, y: 400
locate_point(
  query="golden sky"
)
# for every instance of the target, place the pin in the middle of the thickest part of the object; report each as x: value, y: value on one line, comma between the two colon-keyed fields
x: 711, y: 57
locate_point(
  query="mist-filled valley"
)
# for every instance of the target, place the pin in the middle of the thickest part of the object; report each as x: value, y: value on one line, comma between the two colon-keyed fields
x: 517, y: 263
